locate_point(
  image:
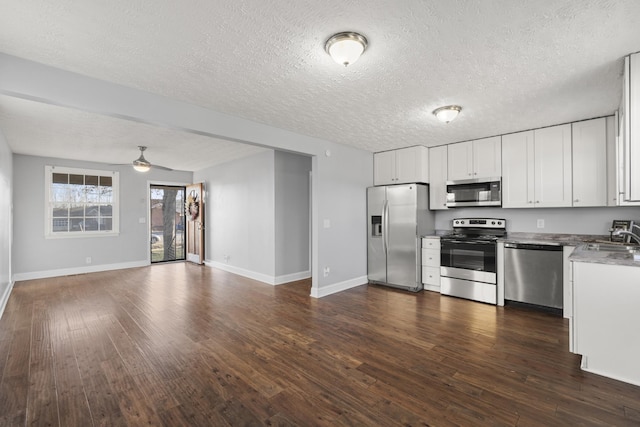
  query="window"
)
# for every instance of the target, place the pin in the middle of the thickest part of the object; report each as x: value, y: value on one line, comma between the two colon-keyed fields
x: 80, y: 202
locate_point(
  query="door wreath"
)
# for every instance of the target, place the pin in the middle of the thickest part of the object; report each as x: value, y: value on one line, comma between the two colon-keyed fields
x: 192, y: 206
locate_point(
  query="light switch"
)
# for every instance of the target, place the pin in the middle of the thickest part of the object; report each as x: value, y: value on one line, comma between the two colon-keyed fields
x: 142, y: 220
x: 327, y: 223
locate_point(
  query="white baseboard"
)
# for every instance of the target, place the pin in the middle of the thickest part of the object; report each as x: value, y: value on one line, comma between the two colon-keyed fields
x: 286, y: 278
x: 18, y: 277
x: 264, y: 278
x: 432, y: 288
x: 338, y: 287
x: 5, y: 298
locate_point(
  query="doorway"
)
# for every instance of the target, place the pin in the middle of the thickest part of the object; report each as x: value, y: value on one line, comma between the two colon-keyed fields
x: 167, y: 223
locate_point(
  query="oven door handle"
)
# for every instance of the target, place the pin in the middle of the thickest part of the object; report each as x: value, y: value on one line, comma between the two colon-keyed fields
x: 467, y: 242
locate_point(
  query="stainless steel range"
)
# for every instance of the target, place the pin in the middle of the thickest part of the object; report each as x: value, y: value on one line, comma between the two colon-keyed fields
x: 468, y: 259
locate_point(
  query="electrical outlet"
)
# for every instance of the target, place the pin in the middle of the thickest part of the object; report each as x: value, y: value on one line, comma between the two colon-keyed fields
x: 541, y: 223
x: 88, y: 260
x: 226, y: 258
x: 327, y: 270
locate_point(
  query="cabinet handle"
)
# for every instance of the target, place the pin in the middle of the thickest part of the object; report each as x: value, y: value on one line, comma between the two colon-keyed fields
x: 576, y: 200
x: 529, y: 201
x: 537, y: 201
x: 475, y: 173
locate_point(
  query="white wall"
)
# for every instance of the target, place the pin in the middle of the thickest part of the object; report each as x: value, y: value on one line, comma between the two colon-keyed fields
x: 556, y: 220
x: 6, y: 224
x: 257, y: 216
x: 340, y: 173
x: 292, y: 215
x: 239, y: 211
x: 34, y: 256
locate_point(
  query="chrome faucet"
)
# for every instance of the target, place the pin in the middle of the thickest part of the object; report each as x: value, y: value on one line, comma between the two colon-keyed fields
x: 620, y: 232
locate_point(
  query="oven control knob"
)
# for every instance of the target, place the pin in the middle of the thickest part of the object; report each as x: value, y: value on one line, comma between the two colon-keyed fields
x: 493, y: 223
x: 457, y: 222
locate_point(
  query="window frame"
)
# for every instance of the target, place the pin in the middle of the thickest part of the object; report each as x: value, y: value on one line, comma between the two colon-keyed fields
x: 49, y: 204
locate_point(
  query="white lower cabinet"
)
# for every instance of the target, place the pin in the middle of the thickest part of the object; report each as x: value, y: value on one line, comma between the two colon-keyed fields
x: 431, y: 263
x: 604, y: 327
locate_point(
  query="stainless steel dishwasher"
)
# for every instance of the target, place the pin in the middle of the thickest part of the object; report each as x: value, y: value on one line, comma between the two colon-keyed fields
x: 533, y: 274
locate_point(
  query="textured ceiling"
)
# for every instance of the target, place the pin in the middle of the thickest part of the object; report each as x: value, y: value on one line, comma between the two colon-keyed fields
x: 51, y: 131
x: 512, y: 65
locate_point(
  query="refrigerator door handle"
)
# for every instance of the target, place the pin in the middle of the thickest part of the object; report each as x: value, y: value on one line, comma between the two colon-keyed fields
x: 385, y: 226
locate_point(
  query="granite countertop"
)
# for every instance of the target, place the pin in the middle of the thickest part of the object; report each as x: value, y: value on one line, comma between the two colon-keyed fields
x: 553, y: 238
x: 582, y: 254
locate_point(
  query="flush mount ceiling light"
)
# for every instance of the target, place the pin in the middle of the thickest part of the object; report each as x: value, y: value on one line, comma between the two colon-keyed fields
x: 141, y: 164
x: 448, y: 113
x: 345, y: 48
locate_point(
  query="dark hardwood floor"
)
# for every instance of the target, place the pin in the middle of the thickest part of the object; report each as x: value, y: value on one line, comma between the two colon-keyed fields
x: 179, y: 344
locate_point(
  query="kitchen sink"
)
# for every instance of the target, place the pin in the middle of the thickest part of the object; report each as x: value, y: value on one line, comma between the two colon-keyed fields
x: 608, y: 247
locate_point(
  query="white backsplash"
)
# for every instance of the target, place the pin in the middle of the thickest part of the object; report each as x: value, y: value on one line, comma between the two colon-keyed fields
x: 556, y: 220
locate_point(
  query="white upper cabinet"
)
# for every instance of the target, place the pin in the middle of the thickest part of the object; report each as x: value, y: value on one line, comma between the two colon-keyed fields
x: 536, y: 168
x: 552, y: 166
x: 487, y: 157
x: 384, y: 168
x: 401, y: 166
x: 438, y: 177
x: 475, y: 159
x: 517, y: 170
x: 589, y: 154
x: 612, y: 161
x: 460, y: 161
x: 628, y: 145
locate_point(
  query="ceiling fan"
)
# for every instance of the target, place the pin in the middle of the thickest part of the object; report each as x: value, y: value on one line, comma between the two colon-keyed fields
x: 143, y: 165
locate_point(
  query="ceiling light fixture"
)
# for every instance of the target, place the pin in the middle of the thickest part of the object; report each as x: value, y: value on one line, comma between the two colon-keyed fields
x: 141, y: 164
x: 448, y: 113
x: 345, y: 48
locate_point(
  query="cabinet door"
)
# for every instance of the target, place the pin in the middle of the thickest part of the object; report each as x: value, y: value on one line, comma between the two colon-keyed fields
x: 612, y: 162
x: 460, y: 161
x: 487, y: 157
x: 412, y: 165
x: 552, y: 166
x: 438, y: 177
x: 517, y: 170
x: 589, y: 169
x: 633, y: 127
x: 384, y: 168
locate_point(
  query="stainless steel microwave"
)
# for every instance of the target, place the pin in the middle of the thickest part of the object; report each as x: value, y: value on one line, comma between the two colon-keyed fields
x: 474, y: 192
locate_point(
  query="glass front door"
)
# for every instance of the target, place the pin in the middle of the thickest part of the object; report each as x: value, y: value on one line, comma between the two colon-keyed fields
x: 167, y: 223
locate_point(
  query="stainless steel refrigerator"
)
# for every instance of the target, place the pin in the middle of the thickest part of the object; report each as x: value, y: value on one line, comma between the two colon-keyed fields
x: 397, y: 217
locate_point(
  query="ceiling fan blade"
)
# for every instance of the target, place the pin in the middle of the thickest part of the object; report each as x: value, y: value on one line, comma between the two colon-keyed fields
x: 152, y: 166
x: 164, y: 168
